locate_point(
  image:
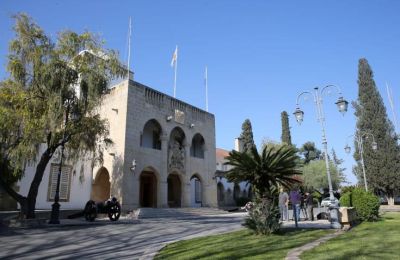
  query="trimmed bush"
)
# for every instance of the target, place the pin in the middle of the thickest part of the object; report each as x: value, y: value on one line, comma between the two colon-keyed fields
x: 365, y: 203
x: 345, y: 200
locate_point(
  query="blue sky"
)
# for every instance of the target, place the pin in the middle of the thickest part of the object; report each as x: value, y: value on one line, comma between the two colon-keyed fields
x: 260, y: 54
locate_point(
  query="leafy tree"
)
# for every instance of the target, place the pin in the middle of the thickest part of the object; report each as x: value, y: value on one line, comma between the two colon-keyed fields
x: 382, y: 166
x: 50, y: 100
x: 314, y: 175
x: 264, y: 171
x: 246, y: 137
x: 286, y: 137
x: 310, y: 152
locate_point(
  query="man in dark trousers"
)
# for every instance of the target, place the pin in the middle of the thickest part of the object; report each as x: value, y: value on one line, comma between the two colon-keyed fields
x: 309, y: 200
x: 295, y: 199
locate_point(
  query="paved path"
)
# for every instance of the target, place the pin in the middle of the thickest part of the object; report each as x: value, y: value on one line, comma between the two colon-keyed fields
x: 121, y: 241
x: 295, y: 253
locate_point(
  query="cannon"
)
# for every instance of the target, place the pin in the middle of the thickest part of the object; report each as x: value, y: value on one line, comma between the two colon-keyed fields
x: 111, y: 207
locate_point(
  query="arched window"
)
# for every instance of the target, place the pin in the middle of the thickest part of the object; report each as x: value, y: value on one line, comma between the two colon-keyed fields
x: 197, y: 148
x: 151, y: 136
x: 220, y: 192
x: 236, y: 191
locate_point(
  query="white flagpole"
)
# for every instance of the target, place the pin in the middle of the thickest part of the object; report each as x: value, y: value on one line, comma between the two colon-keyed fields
x: 389, y: 93
x: 176, y: 66
x: 129, y: 47
x: 206, y: 82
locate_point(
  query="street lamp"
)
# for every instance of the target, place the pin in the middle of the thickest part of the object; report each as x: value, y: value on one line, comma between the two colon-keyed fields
x: 342, y: 105
x: 359, y: 136
x: 55, y: 207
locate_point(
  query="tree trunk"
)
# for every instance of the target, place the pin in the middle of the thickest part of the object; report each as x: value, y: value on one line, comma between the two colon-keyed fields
x: 390, y: 200
x: 7, y: 187
x: 37, y: 179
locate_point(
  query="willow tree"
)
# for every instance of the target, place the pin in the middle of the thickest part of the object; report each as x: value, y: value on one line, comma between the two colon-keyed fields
x: 50, y: 100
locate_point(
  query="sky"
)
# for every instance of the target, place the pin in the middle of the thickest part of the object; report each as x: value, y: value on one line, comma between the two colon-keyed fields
x: 260, y: 55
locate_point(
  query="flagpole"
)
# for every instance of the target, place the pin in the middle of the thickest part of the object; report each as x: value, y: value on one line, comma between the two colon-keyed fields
x: 390, y: 97
x: 176, y: 66
x: 129, y: 47
x: 206, y: 79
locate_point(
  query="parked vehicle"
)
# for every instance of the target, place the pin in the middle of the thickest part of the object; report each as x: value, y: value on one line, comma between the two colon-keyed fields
x: 327, y: 202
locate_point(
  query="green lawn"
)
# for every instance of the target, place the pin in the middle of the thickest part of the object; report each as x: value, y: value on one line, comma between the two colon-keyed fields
x: 240, y: 245
x: 378, y: 240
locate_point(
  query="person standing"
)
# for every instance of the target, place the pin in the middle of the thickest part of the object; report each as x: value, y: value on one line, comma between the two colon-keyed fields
x: 295, y: 199
x: 309, y: 200
x: 283, y: 204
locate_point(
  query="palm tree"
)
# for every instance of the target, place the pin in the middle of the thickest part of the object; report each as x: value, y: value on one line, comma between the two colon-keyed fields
x: 275, y: 166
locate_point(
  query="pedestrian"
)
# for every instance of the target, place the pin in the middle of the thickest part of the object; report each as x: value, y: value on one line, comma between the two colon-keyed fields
x: 283, y: 204
x: 309, y: 200
x: 295, y: 199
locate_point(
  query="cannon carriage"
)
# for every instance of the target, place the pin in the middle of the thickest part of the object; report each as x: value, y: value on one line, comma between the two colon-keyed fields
x: 111, y: 207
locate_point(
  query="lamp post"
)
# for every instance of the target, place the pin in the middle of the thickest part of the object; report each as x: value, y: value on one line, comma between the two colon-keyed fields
x: 359, y: 136
x: 55, y: 207
x: 299, y: 114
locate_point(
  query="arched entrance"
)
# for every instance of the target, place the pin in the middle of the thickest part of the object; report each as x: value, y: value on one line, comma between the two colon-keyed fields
x: 148, y: 189
x: 174, y: 191
x: 220, y: 194
x: 101, y: 186
x: 195, y: 191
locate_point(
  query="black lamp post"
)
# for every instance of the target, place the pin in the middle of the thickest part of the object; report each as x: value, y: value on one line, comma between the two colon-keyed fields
x: 55, y: 208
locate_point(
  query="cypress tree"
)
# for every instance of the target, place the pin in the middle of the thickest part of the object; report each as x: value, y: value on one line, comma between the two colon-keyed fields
x: 285, y: 138
x: 246, y: 136
x: 382, y: 166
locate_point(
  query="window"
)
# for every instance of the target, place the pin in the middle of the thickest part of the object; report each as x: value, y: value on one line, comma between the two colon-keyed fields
x: 197, y: 190
x: 65, y: 182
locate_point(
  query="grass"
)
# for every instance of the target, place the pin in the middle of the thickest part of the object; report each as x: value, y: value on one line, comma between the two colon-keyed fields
x: 240, y: 245
x: 370, y: 240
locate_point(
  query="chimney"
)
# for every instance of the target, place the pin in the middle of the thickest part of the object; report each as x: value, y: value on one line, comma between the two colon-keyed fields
x: 238, y: 144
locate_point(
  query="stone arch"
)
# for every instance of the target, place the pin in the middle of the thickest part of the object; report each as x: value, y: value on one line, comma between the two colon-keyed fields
x: 236, y: 191
x: 176, y: 151
x: 174, y: 183
x: 101, y: 186
x: 151, y: 135
x: 220, y: 193
x: 198, y: 146
x: 148, y: 191
x: 196, y: 191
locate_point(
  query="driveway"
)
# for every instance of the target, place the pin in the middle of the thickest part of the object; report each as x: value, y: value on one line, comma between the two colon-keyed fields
x: 114, y: 241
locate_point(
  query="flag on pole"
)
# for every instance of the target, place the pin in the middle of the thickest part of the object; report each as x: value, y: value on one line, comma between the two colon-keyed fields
x: 174, y: 57
x: 174, y: 63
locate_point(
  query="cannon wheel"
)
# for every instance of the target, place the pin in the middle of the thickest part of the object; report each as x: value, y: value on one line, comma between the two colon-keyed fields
x: 114, y: 211
x: 90, y: 211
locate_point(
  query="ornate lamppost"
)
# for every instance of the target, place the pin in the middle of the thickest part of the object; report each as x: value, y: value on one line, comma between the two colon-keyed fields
x: 359, y: 136
x: 55, y: 207
x: 299, y: 114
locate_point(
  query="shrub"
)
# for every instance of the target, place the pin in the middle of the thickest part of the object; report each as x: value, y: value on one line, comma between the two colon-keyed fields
x: 264, y: 217
x: 365, y: 203
x: 345, y: 199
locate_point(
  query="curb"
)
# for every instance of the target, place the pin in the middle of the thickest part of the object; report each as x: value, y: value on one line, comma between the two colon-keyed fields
x: 43, y: 223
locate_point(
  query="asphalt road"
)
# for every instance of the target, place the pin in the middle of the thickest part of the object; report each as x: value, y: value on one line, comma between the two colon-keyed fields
x: 114, y: 241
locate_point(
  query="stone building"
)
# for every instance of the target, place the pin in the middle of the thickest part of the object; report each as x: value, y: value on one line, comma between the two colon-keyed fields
x: 163, y: 155
x: 229, y: 194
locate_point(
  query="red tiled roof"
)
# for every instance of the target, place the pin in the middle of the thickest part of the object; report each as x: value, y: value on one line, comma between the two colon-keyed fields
x: 221, y: 154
